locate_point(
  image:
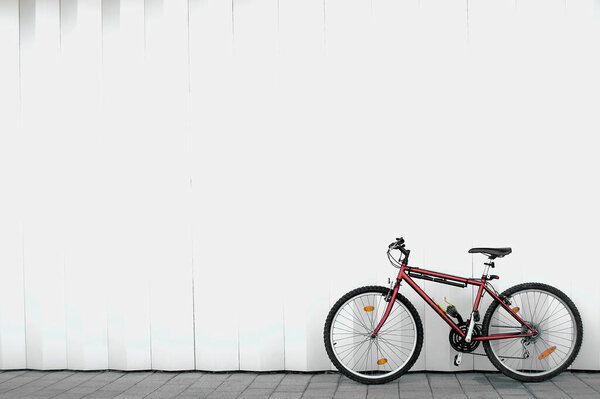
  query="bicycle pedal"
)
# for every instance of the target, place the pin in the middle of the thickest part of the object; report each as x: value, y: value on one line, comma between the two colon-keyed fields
x: 458, y: 359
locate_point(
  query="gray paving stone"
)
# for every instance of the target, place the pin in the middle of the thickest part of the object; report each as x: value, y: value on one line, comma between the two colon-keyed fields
x: 321, y: 385
x: 43, y: 383
x: 96, y: 382
x: 414, y: 382
x: 188, y: 376
x: 168, y: 391
x: 574, y: 386
x: 445, y: 386
x: 210, y: 381
x: 416, y: 395
x: 290, y: 388
x: 195, y: 393
x: 546, y: 389
x: 267, y: 380
x: 286, y: 395
x: 592, y: 381
x: 352, y: 388
x: 321, y: 378
x: 507, y: 387
x: 382, y: 391
x: 256, y: 393
x: 477, y: 386
x: 147, y: 386
x: 121, y: 385
x: 317, y: 394
x: 224, y: 395
x: 69, y: 396
x: 483, y: 395
x: 101, y: 395
x: 350, y: 395
x: 192, y: 396
x: 198, y: 385
x: 46, y: 394
x: 296, y: 379
x: 346, y: 383
x: 62, y: 386
x: 472, y: 379
x: 19, y: 381
x: 7, y: 375
x: 236, y: 382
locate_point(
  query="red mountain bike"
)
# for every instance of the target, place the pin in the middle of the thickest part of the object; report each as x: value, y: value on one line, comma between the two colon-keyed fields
x: 530, y: 332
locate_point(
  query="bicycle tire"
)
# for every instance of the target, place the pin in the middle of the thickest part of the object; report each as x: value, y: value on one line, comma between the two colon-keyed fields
x: 576, y: 329
x: 400, y: 301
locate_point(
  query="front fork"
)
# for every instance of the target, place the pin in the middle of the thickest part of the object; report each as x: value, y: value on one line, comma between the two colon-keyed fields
x: 390, y: 298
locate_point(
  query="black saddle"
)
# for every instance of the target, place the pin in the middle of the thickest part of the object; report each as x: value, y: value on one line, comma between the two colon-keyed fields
x: 492, y: 253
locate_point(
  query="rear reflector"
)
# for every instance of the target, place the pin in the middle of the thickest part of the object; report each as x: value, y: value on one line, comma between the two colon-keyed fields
x: 547, y: 352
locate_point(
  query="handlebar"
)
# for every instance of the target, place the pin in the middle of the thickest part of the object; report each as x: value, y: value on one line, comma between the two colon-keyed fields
x: 399, y: 245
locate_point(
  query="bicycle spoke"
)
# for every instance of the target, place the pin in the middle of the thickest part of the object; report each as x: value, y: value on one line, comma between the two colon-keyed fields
x: 353, y: 321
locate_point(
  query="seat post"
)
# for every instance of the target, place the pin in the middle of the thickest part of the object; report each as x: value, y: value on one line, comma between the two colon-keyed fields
x: 487, y: 266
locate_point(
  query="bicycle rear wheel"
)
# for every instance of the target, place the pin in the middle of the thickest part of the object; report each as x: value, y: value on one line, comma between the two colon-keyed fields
x: 348, y: 341
x: 551, y: 350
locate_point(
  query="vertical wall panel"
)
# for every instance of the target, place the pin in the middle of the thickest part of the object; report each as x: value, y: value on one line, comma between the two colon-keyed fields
x: 301, y: 29
x: 493, y: 41
x: 12, y: 322
x: 217, y: 251
x: 168, y: 172
x: 398, y: 146
x: 44, y: 183
x: 582, y: 34
x: 340, y: 149
x: 299, y: 114
x: 260, y: 206
x: 85, y: 271
x: 126, y: 150
x: 302, y: 112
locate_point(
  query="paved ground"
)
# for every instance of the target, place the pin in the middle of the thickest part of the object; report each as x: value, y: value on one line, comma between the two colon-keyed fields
x: 187, y: 385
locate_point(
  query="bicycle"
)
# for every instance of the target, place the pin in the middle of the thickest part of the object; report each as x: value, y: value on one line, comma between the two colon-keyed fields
x: 530, y: 332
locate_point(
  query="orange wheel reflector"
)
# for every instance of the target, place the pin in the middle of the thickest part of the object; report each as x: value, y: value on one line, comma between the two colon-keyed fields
x: 515, y: 310
x: 381, y: 361
x: 369, y: 308
x: 547, y: 352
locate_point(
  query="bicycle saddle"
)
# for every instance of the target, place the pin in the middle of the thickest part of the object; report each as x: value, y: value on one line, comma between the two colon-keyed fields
x: 491, y: 252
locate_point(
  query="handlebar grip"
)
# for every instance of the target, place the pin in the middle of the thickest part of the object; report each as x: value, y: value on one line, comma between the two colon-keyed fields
x: 398, y: 244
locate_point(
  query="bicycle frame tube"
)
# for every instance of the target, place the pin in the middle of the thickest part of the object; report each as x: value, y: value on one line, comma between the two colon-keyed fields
x: 453, y: 280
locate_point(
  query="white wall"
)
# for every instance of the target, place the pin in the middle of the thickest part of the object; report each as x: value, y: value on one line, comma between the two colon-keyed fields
x: 192, y: 185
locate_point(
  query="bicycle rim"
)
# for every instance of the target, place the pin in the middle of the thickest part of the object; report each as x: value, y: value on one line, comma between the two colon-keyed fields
x: 550, y: 348
x: 366, y: 357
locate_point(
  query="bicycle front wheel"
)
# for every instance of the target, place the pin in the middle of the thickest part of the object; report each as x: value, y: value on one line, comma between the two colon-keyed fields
x: 355, y: 353
x: 551, y: 350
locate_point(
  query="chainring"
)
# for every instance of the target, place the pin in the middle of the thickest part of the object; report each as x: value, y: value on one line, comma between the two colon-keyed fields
x: 459, y: 343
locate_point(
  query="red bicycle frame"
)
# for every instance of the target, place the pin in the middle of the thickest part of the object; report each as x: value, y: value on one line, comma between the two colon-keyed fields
x: 403, y: 275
